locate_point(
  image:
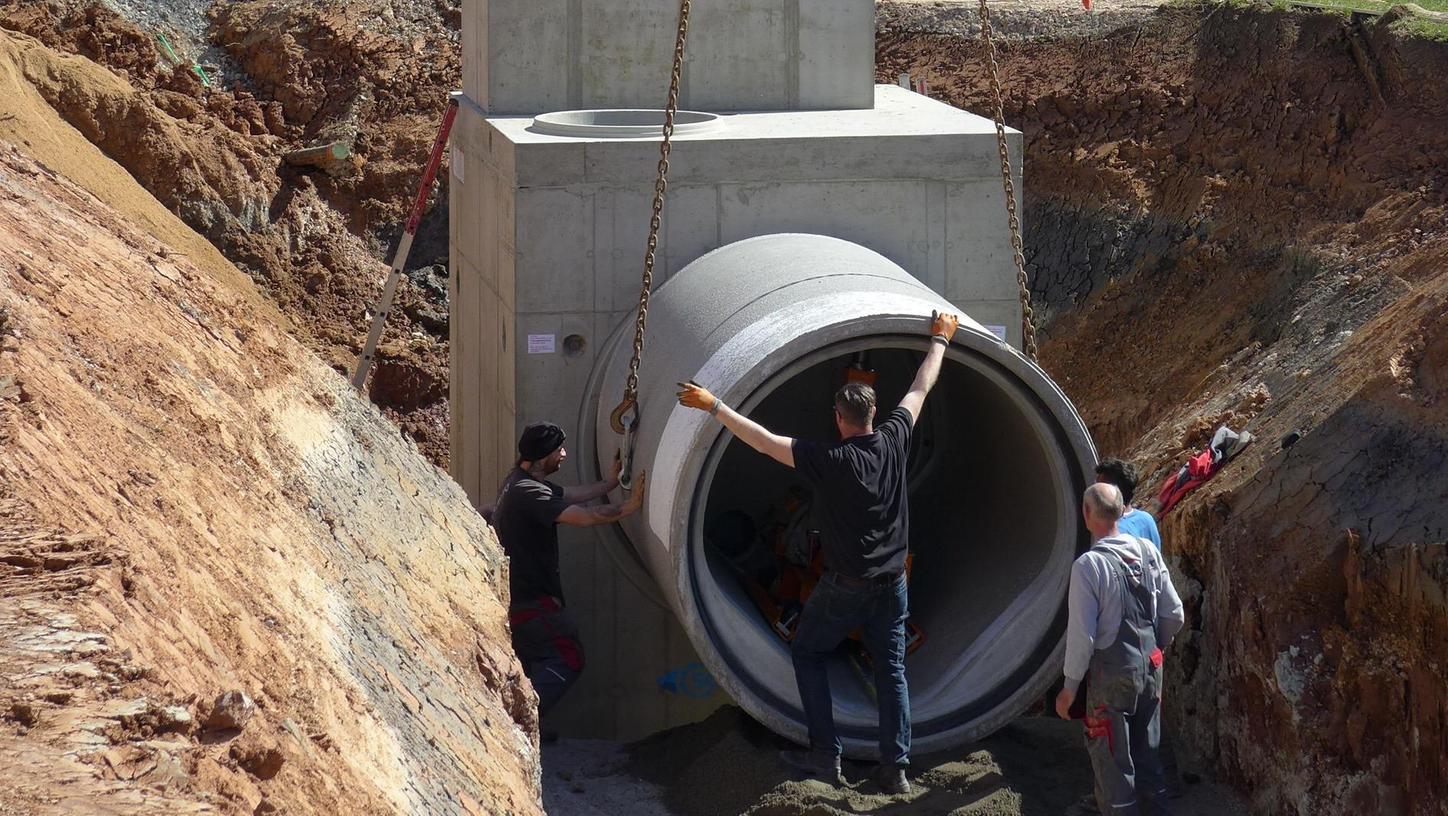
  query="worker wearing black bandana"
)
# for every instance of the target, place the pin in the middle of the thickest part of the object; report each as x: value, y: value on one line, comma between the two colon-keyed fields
x: 526, y: 516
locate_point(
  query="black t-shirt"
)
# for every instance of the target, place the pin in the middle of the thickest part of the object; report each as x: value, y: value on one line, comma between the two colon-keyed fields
x: 526, y: 518
x: 863, y: 510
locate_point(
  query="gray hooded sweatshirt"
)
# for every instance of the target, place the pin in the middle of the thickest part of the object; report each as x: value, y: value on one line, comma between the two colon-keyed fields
x: 1096, y: 598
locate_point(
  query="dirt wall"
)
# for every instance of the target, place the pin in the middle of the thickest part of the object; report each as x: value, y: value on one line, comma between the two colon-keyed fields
x: 192, y: 504
x: 1235, y: 217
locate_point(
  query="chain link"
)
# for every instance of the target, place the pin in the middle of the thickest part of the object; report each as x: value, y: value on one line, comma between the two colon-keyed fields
x: 1028, y: 316
x: 661, y: 186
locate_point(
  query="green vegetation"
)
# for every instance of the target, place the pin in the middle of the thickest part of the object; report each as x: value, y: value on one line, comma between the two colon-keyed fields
x: 1431, y: 26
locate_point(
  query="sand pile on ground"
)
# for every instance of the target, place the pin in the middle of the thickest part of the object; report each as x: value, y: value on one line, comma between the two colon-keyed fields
x: 226, y: 583
x: 730, y: 764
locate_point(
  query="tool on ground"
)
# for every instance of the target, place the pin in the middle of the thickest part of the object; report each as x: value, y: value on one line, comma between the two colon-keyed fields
x: 624, y: 419
x: 1028, y: 326
x: 404, y: 246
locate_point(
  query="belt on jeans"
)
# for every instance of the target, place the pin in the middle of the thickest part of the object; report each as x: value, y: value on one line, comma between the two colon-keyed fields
x: 849, y: 581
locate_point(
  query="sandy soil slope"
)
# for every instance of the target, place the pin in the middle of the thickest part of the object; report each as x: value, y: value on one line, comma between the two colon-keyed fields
x: 191, y: 503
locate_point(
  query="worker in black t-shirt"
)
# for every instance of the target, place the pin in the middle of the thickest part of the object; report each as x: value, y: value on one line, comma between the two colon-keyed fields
x: 526, y: 516
x: 859, y: 484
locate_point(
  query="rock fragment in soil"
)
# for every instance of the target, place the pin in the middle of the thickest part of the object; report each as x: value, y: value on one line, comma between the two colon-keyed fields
x: 231, y: 711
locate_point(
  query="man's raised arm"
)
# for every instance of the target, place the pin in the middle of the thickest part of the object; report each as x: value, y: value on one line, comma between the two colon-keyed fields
x: 779, y: 448
x: 942, y: 328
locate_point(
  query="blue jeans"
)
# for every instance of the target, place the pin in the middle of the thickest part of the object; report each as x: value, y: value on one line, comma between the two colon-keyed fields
x: 833, y: 611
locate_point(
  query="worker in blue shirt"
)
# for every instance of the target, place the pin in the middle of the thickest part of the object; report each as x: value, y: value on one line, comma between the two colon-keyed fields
x: 1136, y: 522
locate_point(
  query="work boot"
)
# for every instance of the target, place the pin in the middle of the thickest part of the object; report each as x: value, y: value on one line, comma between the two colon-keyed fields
x: 891, y: 779
x: 821, y: 765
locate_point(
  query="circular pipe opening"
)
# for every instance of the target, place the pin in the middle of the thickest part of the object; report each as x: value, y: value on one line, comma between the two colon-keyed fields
x: 992, y: 496
x: 620, y: 123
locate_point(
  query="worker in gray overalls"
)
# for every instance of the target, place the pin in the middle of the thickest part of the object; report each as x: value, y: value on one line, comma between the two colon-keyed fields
x: 1123, y: 612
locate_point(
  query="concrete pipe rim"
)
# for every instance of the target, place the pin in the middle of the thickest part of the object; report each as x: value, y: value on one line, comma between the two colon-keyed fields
x: 1028, y: 680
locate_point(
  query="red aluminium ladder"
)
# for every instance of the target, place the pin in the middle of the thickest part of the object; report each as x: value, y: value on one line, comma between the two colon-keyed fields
x: 404, y: 246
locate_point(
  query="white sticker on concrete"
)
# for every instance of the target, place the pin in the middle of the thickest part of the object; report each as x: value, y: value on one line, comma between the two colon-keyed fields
x: 541, y: 343
x: 998, y: 331
x: 457, y: 163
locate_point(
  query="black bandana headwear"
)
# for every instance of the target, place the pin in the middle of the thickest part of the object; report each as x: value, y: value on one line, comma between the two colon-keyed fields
x: 539, y: 440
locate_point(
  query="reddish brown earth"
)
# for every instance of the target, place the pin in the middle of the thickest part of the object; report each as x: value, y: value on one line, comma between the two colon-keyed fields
x: 1234, y: 216
x: 374, y: 73
x: 192, y: 504
x: 1241, y: 218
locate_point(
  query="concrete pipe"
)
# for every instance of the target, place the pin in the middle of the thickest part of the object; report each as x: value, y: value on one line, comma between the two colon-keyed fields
x: 998, y: 461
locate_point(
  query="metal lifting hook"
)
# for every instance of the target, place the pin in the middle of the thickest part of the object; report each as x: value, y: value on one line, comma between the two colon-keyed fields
x: 629, y: 427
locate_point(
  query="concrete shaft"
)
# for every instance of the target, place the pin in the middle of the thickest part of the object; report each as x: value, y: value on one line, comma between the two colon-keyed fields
x: 998, y: 461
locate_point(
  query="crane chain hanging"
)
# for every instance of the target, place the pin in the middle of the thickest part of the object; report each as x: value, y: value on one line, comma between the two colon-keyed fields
x: 624, y: 418
x: 1028, y: 325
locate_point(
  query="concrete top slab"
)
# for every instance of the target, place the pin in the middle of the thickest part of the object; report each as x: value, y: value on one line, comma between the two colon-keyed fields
x: 905, y: 135
x: 897, y: 112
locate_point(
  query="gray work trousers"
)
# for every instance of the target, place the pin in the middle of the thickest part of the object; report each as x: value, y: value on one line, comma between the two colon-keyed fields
x: 546, y: 642
x: 1122, y: 741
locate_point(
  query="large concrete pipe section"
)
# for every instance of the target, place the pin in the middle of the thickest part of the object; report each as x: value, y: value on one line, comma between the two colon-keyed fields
x: 999, y: 459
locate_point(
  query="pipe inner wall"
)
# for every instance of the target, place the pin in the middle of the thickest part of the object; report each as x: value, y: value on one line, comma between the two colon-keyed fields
x: 998, y: 460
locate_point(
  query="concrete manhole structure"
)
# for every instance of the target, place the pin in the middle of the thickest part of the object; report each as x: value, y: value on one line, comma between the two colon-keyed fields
x: 813, y: 219
x: 998, y: 461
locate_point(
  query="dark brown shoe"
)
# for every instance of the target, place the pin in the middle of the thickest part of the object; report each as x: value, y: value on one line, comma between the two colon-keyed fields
x: 822, y: 766
x: 892, y: 781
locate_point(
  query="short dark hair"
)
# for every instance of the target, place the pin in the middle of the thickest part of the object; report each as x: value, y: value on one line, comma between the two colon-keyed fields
x: 856, y: 403
x: 1120, y: 473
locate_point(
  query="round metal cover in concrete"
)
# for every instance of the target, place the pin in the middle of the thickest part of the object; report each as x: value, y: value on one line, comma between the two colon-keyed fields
x: 620, y: 123
x: 998, y: 461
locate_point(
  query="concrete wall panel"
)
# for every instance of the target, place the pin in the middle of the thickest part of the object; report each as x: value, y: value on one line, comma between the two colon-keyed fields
x: 621, y: 232
x: 825, y: 32
x: 469, y: 421
x: 743, y: 54
x: 977, y: 238
x: 886, y: 216
x: 691, y: 227
x: 763, y: 76
x: 626, y: 54
x: 474, y: 37
x: 555, y: 251
x: 527, y: 42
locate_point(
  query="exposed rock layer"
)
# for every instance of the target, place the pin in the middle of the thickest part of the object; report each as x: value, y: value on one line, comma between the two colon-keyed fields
x: 193, y: 504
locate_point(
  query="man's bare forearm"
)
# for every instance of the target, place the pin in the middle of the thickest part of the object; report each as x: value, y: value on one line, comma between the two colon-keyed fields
x: 582, y: 515
x: 587, y: 493
x: 929, y: 370
x: 755, y: 435
x: 925, y: 378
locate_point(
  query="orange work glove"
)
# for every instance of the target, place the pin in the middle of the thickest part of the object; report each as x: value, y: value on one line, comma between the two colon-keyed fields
x: 944, y: 325
x: 693, y: 395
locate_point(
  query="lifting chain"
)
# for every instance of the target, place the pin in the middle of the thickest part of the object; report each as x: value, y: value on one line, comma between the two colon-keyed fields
x: 620, y: 419
x: 1028, y: 325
